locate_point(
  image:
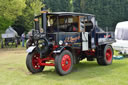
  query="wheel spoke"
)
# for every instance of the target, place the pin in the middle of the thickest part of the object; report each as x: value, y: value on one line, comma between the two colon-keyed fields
x: 35, y: 61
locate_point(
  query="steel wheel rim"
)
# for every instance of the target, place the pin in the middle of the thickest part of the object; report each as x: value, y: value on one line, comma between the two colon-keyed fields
x: 66, y: 62
x: 35, y: 62
x: 109, y: 55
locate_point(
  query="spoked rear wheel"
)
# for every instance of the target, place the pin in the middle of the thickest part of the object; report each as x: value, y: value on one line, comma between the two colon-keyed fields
x: 64, y: 63
x: 32, y: 63
x: 106, y: 57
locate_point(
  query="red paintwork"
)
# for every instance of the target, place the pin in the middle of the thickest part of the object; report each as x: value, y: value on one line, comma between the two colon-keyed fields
x: 47, y: 64
x: 109, y: 55
x: 35, y: 62
x: 90, y: 52
x: 42, y: 62
x: 55, y: 46
x: 47, y: 59
x: 66, y: 62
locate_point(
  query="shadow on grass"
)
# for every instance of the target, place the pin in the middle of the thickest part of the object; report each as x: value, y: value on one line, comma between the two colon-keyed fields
x: 83, y: 70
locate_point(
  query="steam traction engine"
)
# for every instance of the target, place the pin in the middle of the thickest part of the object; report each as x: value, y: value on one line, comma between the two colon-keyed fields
x: 66, y: 39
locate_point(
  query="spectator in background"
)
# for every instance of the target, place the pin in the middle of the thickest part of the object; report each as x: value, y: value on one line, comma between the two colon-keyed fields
x: 23, y: 39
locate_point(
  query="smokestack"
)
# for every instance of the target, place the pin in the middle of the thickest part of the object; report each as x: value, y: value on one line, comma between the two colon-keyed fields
x: 44, y: 19
x: 36, y: 24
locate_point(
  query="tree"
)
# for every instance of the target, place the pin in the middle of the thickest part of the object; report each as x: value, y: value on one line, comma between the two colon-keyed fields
x: 65, y: 5
x: 108, y: 12
x: 9, y: 10
x: 25, y: 21
x: 76, y: 6
x: 58, y: 5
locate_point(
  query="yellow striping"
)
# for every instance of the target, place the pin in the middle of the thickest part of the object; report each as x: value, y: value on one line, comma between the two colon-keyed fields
x: 36, y: 19
x: 44, y: 11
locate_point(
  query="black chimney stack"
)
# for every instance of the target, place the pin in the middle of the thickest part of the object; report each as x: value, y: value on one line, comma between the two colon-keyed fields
x: 37, y: 24
x: 44, y: 19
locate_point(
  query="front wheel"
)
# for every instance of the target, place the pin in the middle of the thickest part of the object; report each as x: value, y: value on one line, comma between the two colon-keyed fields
x: 64, y: 63
x: 32, y: 63
x: 106, y: 57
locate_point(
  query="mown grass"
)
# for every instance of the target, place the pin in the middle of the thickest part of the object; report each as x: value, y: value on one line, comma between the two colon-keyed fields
x: 13, y: 71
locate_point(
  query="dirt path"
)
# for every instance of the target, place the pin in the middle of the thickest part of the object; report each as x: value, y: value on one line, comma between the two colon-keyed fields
x: 9, y: 55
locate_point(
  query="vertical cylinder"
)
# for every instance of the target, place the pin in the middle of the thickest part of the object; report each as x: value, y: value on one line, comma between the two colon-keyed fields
x: 36, y: 24
x: 44, y: 19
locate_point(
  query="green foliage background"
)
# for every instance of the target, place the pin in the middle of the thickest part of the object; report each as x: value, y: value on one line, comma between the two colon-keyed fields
x: 20, y: 13
x: 108, y: 12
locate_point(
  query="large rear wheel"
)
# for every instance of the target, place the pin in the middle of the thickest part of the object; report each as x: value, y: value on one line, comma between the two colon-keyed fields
x: 32, y: 63
x: 64, y: 63
x: 106, y: 57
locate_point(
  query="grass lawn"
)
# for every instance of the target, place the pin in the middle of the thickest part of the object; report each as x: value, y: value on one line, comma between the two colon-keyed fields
x: 13, y: 71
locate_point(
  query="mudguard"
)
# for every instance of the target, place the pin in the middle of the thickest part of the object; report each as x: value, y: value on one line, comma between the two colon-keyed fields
x: 30, y: 49
x: 59, y: 49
